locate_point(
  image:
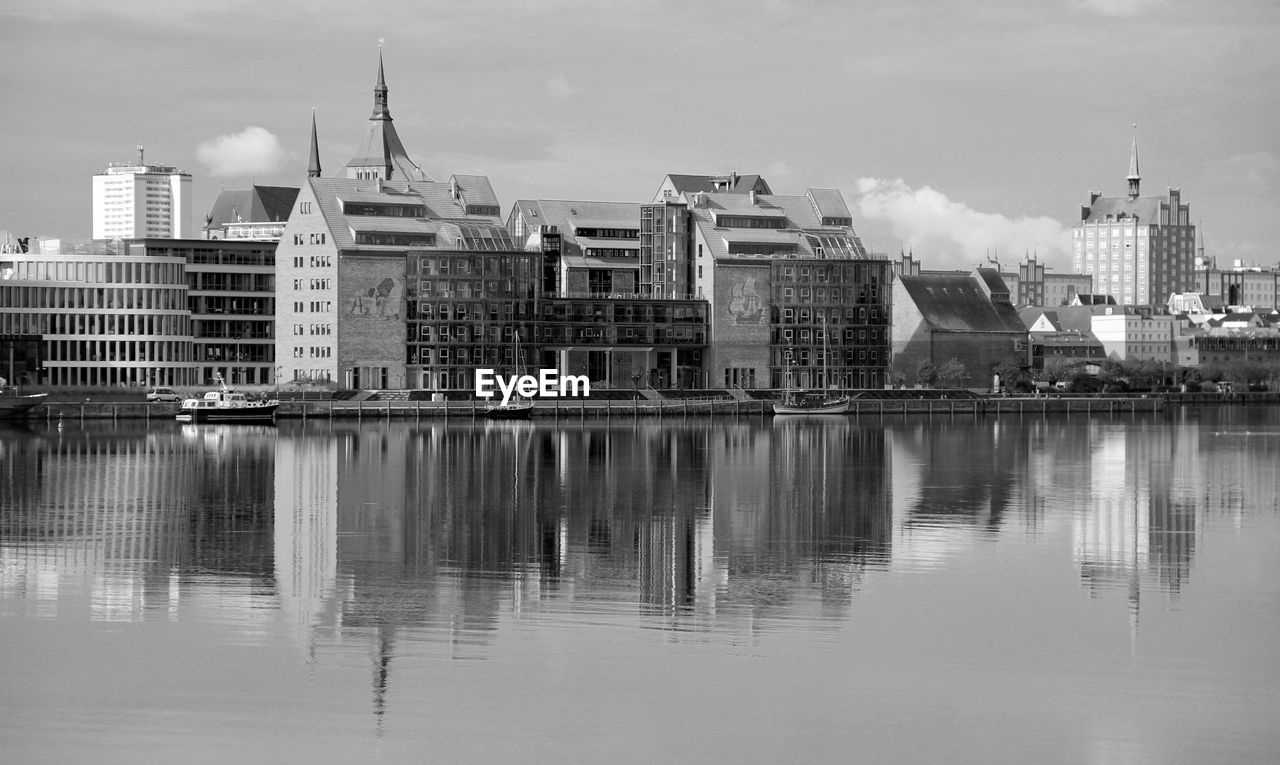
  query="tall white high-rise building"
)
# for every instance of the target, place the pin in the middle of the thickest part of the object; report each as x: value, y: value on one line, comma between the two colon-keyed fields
x: 137, y: 201
x: 1139, y: 250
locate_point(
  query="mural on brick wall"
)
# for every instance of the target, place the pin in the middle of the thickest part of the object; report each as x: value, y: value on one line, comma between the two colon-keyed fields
x: 745, y: 305
x: 383, y: 299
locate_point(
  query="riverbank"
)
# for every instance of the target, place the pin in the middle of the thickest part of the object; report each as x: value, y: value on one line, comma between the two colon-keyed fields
x: 919, y: 402
x: 607, y: 409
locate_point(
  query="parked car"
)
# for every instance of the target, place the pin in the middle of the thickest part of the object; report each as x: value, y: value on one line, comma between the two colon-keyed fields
x: 163, y: 394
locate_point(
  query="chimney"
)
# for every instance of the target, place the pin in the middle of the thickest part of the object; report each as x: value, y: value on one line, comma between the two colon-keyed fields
x: 1093, y: 197
x: 752, y: 196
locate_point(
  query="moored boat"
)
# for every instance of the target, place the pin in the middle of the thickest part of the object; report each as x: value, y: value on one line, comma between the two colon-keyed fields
x: 227, y: 405
x: 795, y: 401
x: 516, y: 409
x: 518, y: 406
x: 15, y: 405
x: 801, y: 403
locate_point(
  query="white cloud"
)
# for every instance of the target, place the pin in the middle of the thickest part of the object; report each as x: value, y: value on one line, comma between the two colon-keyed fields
x: 1121, y: 8
x: 558, y: 88
x: 252, y: 151
x: 947, y: 234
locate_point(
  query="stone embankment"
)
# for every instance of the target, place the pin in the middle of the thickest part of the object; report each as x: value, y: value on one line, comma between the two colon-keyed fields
x: 644, y: 407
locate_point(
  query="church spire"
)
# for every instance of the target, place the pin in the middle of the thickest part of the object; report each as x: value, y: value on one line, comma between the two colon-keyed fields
x: 381, y: 155
x: 380, y: 110
x: 313, y: 164
x: 1134, y: 177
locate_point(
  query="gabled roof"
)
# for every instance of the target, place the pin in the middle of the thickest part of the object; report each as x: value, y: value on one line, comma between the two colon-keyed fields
x: 730, y: 184
x: 1035, y: 315
x: 957, y: 303
x: 1145, y: 209
x: 802, y: 220
x: 259, y: 204
x: 570, y: 215
x: 442, y: 209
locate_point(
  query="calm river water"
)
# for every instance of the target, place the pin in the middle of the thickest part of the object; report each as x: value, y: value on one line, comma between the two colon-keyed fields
x: 1043, y: 589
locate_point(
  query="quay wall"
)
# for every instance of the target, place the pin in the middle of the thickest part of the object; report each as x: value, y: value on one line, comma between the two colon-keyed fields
x: 635, y: 408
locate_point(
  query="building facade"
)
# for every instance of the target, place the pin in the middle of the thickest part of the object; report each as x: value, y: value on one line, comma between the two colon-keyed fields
x: 1138, y: 249
x: 105, y: 314
x: 134, y: 200
x: 387, y: 279
x: 793, y: 293
x: 1240, y: 285
x: 967, y: 317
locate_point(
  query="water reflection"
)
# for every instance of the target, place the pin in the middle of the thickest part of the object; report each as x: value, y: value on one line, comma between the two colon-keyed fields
x: 444, y: 528
x: 112, y: 518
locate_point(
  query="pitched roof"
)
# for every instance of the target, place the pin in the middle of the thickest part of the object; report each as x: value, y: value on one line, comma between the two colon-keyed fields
x: 829, y: 203
x: 571, y: 215
x: 803, y: 225
x: 259, y: 204
x: 470, y: 231
x: 731, y: 183
x: 957, y: 303
x: 1145, y: 209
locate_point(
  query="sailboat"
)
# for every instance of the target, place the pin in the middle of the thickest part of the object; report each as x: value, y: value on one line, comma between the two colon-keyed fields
x: 517, y: 407
x: 797, y: 401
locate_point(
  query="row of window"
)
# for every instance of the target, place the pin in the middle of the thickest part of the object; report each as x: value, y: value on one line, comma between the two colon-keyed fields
x: 59, y: 298
x: 835, y: 336
x: 27, y: 323
x: 312, y: 352
x: 148, y: 274
x: 471, y: 265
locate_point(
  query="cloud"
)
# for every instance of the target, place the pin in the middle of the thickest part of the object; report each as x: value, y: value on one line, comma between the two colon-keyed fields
x: 1121, y: 8
x: 947, y: 234
x: 1251, y: 173
x: 558, y: 88
x: 252, y: 151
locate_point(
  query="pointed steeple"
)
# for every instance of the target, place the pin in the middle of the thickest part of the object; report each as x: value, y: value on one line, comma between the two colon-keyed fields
x: 380, y: 154
x: 313, y: 163
x: 380, y: 111
x: 1134, y: 177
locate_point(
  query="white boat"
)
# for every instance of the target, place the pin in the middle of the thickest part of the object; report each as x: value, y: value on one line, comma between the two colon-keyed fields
x: 227, y: 405
x: 811, y: 403
x: 16, y: 406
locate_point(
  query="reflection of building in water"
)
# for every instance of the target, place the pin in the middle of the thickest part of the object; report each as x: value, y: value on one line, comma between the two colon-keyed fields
x: 437, y: 532
x: 807, y: 500
x: 306, y: 531
x: 950, y: 491
x: 112, y: 520
x: 1136, y: 524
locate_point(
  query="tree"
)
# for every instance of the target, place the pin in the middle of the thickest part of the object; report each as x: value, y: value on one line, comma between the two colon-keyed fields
x: 926, y: 373
x: 1061, y: 368
x: 952, y: 374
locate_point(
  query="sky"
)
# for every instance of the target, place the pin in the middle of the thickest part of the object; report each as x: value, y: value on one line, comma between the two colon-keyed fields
x: 960, y: 132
